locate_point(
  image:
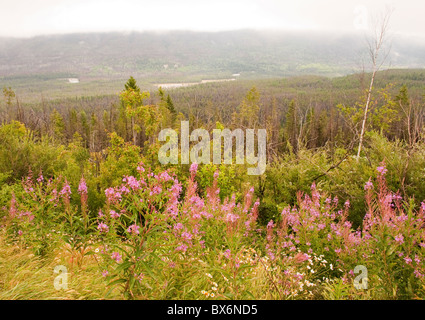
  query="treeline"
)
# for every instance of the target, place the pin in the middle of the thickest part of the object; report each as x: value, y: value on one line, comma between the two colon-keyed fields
x: 313, y: 125
x: 303, y: 111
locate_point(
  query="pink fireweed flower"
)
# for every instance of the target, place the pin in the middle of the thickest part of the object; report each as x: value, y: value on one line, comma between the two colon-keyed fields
x: 321, y: 226
x: 230, y: 217
x: 112, y: 195
x: 100, y: 213
x: 397, y: 197
x: 29, y: 215
x: 271, y: 255
x: 104, y: 249
x: 399, y: 238
x: 195, y: 230
x: 193, y: 168
x: 105, y: 273
x: 178, y: 226
x: 347, y: 204
x: 20, y: 232
x: 176, y: 188
x: 206, y: 215
x: 13, y: 210
x: 54, y: 195
x: 140, y: 168
x: 116, y: 256
x: 109, y: 192
x: 402, y: 217
x: 417, y: 274
x: 382, y: 170
x: 28, y: 186
x: 102, y: 227
x: 227, y: 254
x: 301, y: 257
x: 298, y: 276
x: 156, y: 190
x: 132, y: 182
x: 270, y: 225
x: 186, y: 236
x: 139, y: 277
x: 216, y: 174
x: 133, y: 229
x: 408, y: 260
x: 388, y: 199
x: 40, y: 178
x: 114, y: 214
x: 82, y: 187
x: 164, y: 176
x: 182, y: 248
x: 347, y: 224
x: 368, y: 185
x: 66, y: 190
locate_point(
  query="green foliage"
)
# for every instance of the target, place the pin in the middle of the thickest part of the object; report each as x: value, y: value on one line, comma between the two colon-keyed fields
x: 20, y: 151
x: 292, y: 173
x: 268, y: 211
x: 122, y: 159
x: 228, y: 181
x: 249, y: 108
x: 291, y: 126
x: 58, y: 125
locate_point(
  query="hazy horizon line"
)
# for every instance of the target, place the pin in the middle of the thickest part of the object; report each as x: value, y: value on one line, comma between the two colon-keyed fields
x: 243, y: 29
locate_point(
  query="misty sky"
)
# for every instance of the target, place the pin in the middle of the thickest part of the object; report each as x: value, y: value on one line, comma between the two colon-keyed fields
x: 24, y: 18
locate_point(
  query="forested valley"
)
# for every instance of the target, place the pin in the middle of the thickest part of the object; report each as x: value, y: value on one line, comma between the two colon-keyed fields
x: 81, y: 186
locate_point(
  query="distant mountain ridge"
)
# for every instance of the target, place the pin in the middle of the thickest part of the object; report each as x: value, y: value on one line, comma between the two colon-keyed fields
x: 182, y: 55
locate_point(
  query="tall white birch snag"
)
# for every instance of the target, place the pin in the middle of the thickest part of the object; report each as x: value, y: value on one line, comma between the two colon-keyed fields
x: 375, y: 48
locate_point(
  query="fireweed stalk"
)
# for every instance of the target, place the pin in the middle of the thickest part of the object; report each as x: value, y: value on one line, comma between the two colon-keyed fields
x: 82, y: 190
x: 36, y: 216
x: 154, y: 241
x: 391, y: 237
x: 158, y: 229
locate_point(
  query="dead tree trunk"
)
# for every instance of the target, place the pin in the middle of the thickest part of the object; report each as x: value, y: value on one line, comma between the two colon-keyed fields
x: 374, y: 50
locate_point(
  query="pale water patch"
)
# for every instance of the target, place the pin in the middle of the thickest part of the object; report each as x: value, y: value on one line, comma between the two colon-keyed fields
x: 188, y: 84
x: 73, y: 80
